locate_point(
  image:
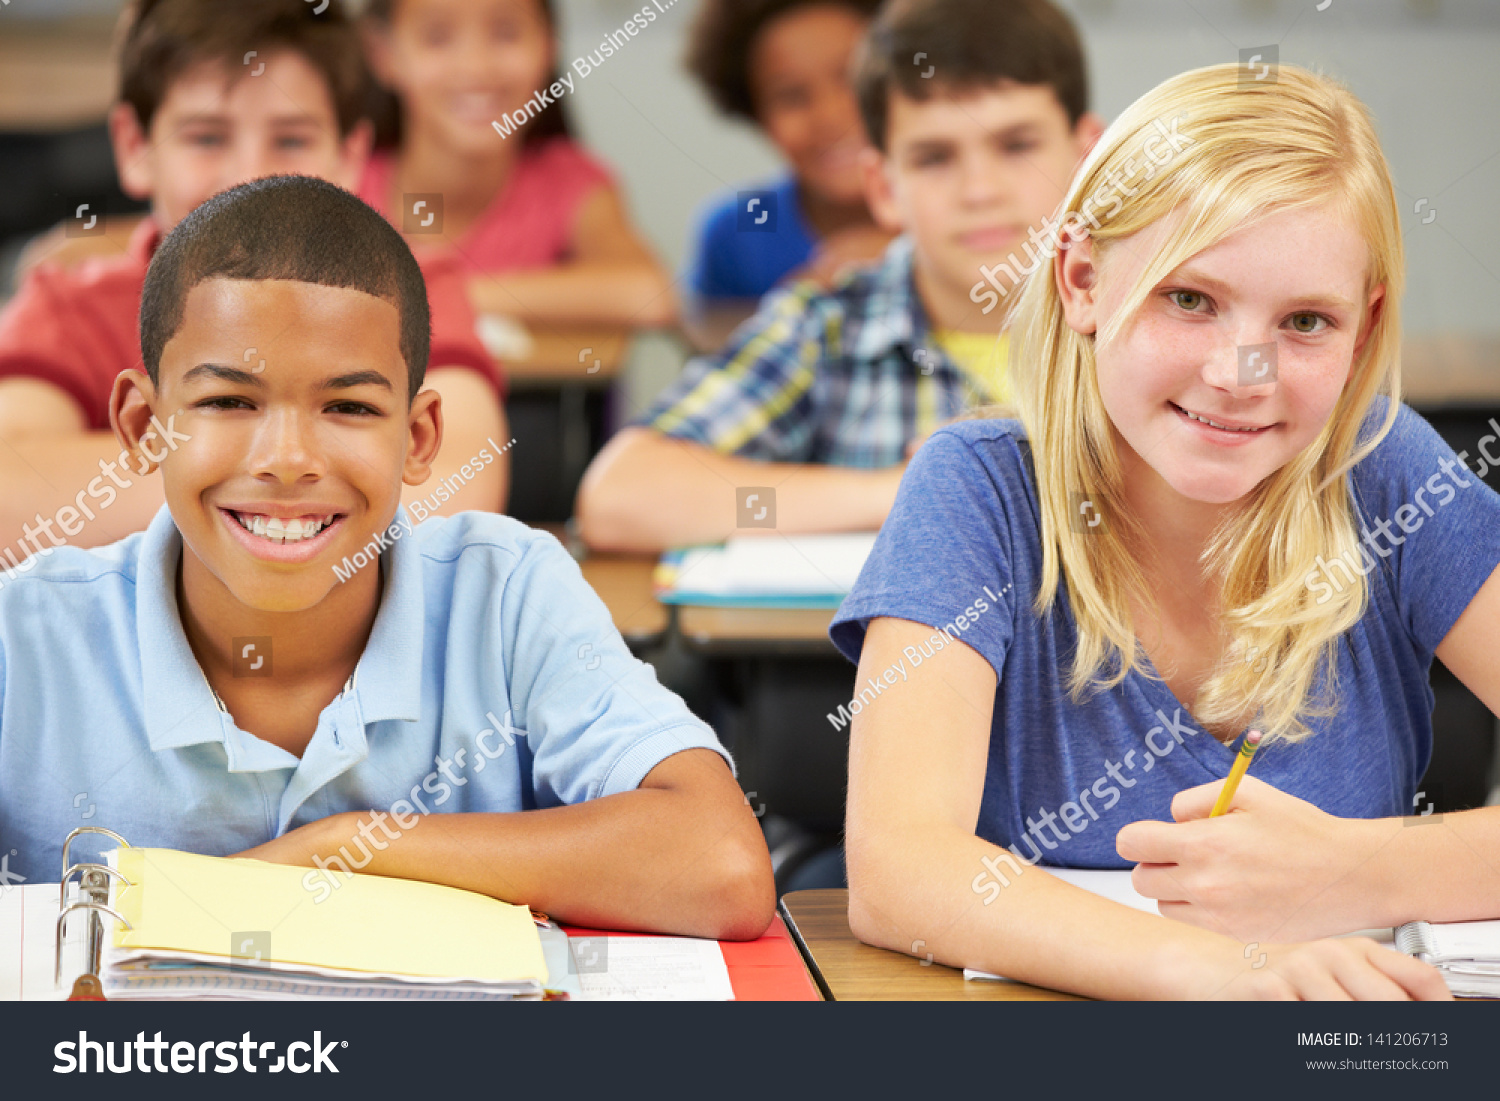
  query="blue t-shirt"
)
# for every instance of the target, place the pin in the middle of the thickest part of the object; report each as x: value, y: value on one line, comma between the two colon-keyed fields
x: 493, y: 680
x: 961, y: 553
x: 743, y: 252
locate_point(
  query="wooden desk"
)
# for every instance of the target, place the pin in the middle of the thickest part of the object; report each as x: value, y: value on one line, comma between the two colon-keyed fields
x: 565, y: 357
x: 623, y: 582
x: 746, y: 632
x: 847, y: 970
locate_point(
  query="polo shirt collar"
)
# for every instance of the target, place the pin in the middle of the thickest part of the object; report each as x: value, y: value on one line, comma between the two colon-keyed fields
x: 180, y: 709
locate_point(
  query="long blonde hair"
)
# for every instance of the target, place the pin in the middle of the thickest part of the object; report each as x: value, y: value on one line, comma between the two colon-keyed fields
x: 1247, y: 150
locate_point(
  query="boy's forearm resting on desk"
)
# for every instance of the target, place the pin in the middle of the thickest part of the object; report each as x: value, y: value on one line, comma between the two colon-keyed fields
x: 682, y: 853
x: 646, y: 492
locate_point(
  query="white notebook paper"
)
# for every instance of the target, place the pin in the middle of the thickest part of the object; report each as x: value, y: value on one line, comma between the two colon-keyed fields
x: 1466, y: 952
x: 762, y: 568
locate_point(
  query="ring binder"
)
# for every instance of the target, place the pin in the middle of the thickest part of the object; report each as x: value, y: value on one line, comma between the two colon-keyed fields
x: 93, y: 885
x: 1415, y: 939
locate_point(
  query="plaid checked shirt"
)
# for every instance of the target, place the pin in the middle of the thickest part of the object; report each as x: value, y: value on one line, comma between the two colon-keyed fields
x: 845, y: 377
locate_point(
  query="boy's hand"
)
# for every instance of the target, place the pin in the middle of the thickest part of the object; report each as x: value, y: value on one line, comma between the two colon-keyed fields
x: 842, y: 251
x: 1275, y: 868
x: 1352, y: 968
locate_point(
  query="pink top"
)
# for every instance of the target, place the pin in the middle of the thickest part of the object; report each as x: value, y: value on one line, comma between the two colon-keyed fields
x: 529, y: 222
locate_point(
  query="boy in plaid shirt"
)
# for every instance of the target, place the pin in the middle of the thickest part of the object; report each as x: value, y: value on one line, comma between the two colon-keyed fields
x: 823, y: 395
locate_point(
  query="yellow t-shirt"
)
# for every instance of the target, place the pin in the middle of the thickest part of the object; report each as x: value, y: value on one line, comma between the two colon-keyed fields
x: 984, y: 360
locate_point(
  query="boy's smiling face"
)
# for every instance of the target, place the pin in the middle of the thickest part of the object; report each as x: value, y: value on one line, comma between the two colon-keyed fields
x: 293, y: 397
x: 968, y: 175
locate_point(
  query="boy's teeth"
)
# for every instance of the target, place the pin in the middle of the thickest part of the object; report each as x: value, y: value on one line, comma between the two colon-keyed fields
x: 282, y: 531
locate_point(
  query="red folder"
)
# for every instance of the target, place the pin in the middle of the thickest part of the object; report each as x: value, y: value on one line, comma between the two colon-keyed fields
x: 768, y: 969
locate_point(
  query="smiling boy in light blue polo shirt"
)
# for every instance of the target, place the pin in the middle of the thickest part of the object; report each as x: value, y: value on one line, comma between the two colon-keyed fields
x: 458, y: 709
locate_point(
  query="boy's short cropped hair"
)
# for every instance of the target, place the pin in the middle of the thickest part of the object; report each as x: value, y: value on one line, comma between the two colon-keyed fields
x: 286, y: 227
x: 723, y: 35
x: 161, y: 39
x: 922, y: 47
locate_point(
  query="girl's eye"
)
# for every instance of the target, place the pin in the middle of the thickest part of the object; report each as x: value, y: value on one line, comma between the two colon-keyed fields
x: 1309, y: 322
x: 1188, y: 300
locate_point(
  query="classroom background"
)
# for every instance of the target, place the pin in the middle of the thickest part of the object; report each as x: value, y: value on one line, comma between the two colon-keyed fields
x: 1425, y: 68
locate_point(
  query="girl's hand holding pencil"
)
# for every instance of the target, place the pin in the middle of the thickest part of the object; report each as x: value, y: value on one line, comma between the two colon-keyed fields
x: 1277, y: 868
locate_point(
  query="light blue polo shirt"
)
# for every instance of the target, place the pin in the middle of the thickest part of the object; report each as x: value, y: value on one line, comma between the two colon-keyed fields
x: 493, y: 680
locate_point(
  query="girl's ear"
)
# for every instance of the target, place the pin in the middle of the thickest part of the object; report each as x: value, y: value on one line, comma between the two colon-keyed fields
x: 1077, y: 281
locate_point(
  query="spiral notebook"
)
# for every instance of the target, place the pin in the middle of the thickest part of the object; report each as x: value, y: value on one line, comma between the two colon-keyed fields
x: 1466, y: 952
x: 180, y: 925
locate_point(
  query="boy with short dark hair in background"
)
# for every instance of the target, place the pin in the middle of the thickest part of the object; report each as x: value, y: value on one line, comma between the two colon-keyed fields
x: 823, y: 394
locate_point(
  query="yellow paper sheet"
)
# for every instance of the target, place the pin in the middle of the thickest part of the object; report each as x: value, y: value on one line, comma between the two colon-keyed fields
x: 188, y: 903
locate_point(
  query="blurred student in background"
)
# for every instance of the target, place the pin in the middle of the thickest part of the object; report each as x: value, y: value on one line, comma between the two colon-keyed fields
x: 824, y: 394
x: 210, y: 96
x: 783, y: 65
x: 533, y: 221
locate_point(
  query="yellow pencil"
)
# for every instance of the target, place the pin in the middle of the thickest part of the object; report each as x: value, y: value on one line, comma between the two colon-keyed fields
x: 1236, y: 773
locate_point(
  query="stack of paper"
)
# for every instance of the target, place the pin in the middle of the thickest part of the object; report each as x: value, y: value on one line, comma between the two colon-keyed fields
x: 1466, y: 952
x: 808, y: 571
x: 211, y: 927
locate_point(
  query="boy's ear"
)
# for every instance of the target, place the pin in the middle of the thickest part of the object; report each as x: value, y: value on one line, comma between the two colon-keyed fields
x: 880, y: 193
x: 1077, y: 282
x: 131, y: 147
x: 354, y: 153
x: 131, y: 406
x: 425, y: 437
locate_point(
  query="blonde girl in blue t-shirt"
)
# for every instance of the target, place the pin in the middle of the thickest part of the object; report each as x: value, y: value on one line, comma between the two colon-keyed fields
x: 1198, y: 373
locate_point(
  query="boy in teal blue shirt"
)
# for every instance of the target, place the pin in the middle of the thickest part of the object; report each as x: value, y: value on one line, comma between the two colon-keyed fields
x: 284, y: 667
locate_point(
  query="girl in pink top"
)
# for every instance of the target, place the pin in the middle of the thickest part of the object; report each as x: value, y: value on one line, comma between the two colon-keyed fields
x: 534, y: 220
